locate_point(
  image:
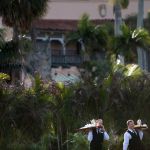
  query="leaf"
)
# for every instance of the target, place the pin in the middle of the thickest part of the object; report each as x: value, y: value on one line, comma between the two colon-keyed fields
x: 124, y: 3
x: 133, y: 70
x: 60, y: 85
x: 4, y: 76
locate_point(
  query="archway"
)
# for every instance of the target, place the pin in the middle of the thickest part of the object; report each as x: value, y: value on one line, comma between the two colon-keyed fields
x: 73, y: 48
x: 56, y: 47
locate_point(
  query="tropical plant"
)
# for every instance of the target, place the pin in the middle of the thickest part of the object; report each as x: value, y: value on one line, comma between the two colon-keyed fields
x: 93, y: 37
x: 44, y: 116
x: 131, y: 20
x: 78, y: 141
x: 21, y: 13
x: 118, y: 5
x: 4, y: 76
x: 129, y: 40
x: 24, y: 114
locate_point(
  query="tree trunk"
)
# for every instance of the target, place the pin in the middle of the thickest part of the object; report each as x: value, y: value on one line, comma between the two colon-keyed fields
x: 118, y: 23
x: 20, y: 59
x: 142, y: 54
x: 118, y: 18
x: 31, y: 54
x: 140, y: 13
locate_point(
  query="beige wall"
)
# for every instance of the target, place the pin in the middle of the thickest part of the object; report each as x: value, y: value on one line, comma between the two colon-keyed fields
x: 73, y: 9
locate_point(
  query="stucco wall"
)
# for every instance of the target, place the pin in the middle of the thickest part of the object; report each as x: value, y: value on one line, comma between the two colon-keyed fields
x: 74, y: 9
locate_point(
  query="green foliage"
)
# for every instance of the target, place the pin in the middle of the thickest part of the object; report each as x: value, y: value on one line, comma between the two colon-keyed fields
x: 47, y: 115
x: 122, y: 95
x: 129, y: 40
x: 124, y: 3
x: 43, y: 116
x: 14, y: 14
x: 126, y: 71
x: 85, y: 28
x: 114, y: 92
x: 131, y: 21
x: 25, y: 45
x: 9, y: 53
x: 94, y: 38
x: 141, y: 36
x: 4, y: 76
x: 25, y: 114
x: 116, y: 141
x: 43, y: 144
x: 78, y: 141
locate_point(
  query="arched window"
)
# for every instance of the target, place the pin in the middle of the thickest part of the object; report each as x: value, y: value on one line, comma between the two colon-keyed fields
x: 73, y: 48
x: 56, y: 47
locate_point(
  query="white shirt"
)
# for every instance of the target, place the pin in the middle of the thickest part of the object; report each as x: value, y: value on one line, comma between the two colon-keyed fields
x: 90, y: 135
x: 127, y: 137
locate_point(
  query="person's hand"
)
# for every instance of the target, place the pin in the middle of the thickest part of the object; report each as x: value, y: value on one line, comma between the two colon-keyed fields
x: 103, y: 128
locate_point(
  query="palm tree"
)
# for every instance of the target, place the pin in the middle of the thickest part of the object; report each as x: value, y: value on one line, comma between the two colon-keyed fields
x: 118, y: 4
x: 94, y: 38
x: 142, y: 58
x: 129, y: 40
x: 20, y: 14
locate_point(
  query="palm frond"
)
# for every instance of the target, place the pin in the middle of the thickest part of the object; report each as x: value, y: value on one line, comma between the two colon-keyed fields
x: 130, y: 39
x: 141, y: 37
x: 124, y: 3
x: 22, y: 13
x: 94, y: 37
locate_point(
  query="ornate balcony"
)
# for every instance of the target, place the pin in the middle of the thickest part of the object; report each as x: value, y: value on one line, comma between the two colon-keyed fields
x: 66, y: 60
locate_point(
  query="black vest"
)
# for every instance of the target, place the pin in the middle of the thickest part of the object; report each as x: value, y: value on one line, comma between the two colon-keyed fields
x: 96, y: 143
x: 135, y: 143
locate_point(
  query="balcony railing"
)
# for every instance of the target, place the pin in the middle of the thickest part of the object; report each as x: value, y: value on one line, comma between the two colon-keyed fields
x: 66, y: 60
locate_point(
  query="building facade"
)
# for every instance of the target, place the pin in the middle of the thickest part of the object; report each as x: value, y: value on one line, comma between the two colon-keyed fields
x: 97, y: 9
x: 54, y: 56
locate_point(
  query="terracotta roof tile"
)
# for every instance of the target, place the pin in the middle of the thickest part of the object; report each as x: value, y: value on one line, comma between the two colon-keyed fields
x: 66, y: 25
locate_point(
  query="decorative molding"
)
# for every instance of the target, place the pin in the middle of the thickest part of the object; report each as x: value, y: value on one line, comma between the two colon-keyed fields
x: 102, y: 10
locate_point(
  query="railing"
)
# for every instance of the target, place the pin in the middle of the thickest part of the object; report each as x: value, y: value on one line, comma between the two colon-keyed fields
x: 67, y: 60
x: 69, y: 52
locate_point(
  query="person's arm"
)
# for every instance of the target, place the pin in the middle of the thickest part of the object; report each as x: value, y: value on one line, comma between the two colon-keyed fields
x: 127, y: 137
x: 106, y: 136
x: 140, y: 134
x: 90, y: 136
